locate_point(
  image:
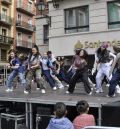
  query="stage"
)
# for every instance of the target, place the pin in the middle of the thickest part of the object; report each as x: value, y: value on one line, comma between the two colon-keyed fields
x: 51, y: 97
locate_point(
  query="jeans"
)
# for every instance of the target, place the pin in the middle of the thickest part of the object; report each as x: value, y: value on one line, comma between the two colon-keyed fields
x: 113, y: 82
x: 12, y: 76
x: 63, y: 77
x: 50, y: 80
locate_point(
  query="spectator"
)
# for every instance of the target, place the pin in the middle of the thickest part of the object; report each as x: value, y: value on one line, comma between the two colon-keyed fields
x: 83, y: 119
x: 60, y: 121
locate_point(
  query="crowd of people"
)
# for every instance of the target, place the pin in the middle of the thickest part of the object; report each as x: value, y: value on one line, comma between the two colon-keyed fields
x: 41, y: 68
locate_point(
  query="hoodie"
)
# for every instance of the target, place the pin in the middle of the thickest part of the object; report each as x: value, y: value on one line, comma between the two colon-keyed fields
x: 62, y: 123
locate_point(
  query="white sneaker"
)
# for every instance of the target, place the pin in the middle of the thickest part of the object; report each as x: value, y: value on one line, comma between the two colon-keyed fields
x: 37, y: 88
x: 67, y: 92
x: 110, y: 96
x: 118, y: 89
x: 54, y: 88
x: 90, y: 93
x: 26, y: 92
x: 43, y: 91
x: 67, y: 85
x: 107, y: 85
x: 99, y: 91
x: 61, y: 87
x: 9, y: 90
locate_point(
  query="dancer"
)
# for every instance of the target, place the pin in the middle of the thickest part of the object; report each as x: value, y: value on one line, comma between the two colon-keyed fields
x: 116, y: 75
x: 17, y: 69
x: 52, y: 64
x: 46, y: 71
x: 34, y: 70
x: 104, y: 62
x: 80, y: 63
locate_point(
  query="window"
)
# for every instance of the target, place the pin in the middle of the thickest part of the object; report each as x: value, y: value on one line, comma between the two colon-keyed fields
x: 77, y: 19
x: 46, y: 34
x: 4, y: 34
x: 114, y: 14
x: 19, y: 19
x: 29, y: 6
x: 4, y: 14
x: 3, y: 55
x: 30, y: 41
x: 19, y: 39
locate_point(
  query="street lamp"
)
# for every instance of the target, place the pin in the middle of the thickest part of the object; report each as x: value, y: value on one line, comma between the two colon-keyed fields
x: 41, y: 7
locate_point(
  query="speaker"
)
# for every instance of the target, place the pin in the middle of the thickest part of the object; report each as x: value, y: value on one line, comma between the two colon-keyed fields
x: 111, y: 114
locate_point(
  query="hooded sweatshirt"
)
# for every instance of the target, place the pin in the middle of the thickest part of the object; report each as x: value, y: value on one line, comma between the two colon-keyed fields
x: 62, y: 123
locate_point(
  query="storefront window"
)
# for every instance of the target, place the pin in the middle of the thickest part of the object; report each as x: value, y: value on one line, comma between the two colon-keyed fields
x: 77, y: 19
x: 113, y: 14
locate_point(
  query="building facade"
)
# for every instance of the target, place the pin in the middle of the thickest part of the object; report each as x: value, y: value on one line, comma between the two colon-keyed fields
x: 24, y: 31
x: 17, y: 26
x: 82, y: 24
x: 6, y: 27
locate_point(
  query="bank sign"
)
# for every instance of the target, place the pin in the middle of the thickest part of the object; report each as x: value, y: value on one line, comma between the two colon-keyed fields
x: 87, y: 44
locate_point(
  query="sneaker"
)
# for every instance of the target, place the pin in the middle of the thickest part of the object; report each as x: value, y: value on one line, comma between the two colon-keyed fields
x: 107, y: 85
x: 92, y: 89
x: 67, y: 85
x: 55, y: 88
x: 109, y: 96
x: 37, y: 88
x: 98, y: 91
x: 9, y: 90
x: 93, y: 85
x: 90, y: 93
x: 61, y: 87
x: 43, y: 91
x: 118, y: 89
x: 26, y: 92
x: 67, y: 92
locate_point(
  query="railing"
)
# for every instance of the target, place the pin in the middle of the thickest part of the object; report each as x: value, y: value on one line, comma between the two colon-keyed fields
x: 7, y: 1
x: 6, y: 40
x: 5, y: 18
x: 25, y: 25
x: 25, y: 7
x: 23, y: 43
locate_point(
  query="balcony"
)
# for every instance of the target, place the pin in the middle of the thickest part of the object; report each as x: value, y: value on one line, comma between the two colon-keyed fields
x: 6, y: 40
x: 7, y: 20
x: 7, y: 2
x: 24, y: 44
x: 25, y: 26
x: 24, y: 8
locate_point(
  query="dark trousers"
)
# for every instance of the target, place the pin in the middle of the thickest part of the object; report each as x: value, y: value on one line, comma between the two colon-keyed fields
x: 63, y: 77
x: 113, y: 82
x: 50, y: 80
x: 83, y: 74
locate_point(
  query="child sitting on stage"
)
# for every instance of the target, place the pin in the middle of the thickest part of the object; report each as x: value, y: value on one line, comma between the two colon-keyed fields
x: 83, y: 119
x: 60, y: 121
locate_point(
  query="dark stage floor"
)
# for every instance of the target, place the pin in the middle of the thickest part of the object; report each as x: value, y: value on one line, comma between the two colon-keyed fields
x: 51, y: 97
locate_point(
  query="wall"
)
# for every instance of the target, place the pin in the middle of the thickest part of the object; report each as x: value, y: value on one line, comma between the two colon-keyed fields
x: 63, y: 44
x: 39, y: 34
